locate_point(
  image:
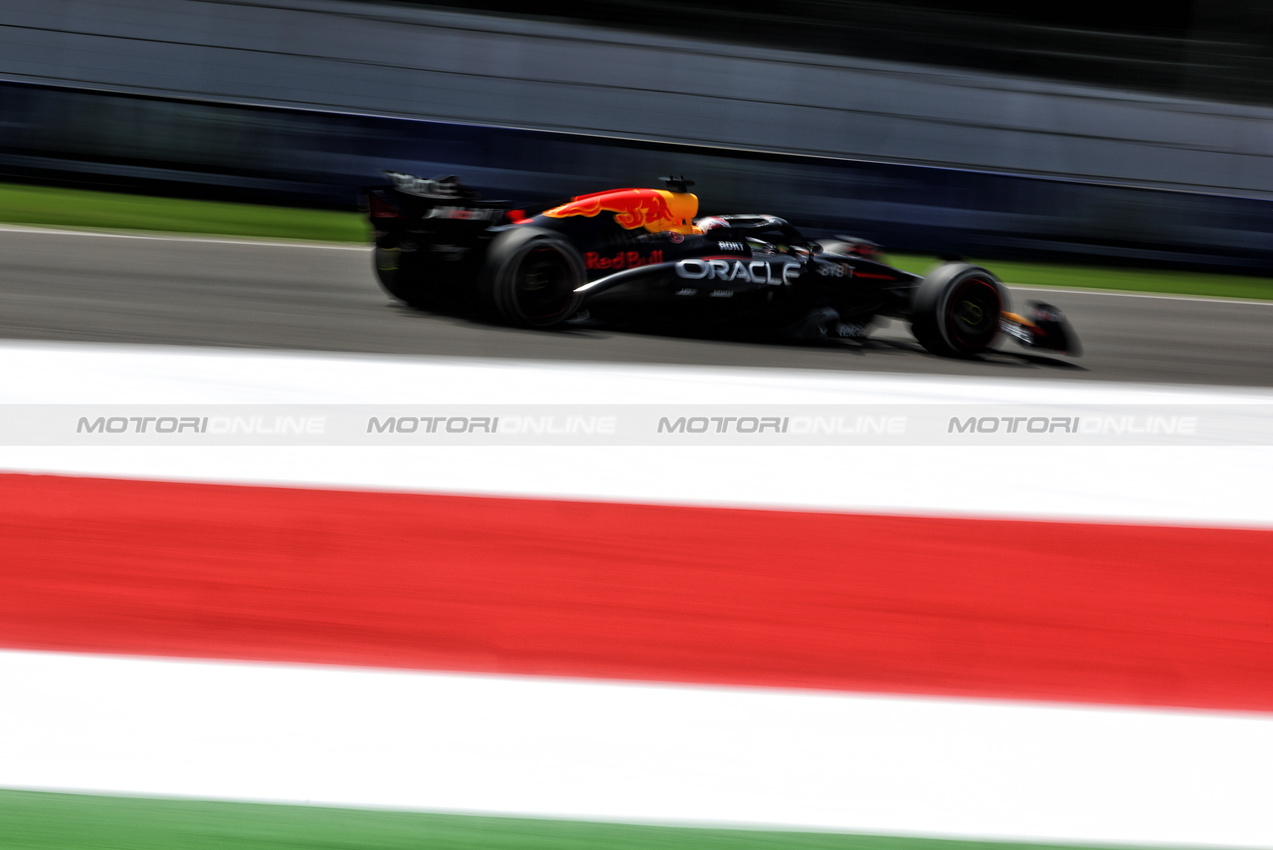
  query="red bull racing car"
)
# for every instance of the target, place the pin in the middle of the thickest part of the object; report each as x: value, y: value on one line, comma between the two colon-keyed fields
x: 643, y: 257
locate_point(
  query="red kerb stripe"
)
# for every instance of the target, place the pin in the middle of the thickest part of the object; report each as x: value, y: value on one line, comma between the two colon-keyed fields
x: 991, y: 608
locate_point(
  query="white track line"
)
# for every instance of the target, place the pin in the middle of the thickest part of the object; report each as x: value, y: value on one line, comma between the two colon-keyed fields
x: 163, y: 237
x: 633, y: 752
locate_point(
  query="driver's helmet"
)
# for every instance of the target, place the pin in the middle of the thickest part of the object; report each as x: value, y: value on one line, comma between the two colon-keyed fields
x: 710, y: 222
x: 859, y: 247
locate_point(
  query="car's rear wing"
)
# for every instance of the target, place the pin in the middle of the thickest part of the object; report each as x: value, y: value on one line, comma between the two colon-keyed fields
x: 420, y: 201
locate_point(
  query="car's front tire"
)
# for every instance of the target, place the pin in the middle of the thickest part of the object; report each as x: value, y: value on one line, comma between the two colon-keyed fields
x: 530, y: 277
x: 955, y: 310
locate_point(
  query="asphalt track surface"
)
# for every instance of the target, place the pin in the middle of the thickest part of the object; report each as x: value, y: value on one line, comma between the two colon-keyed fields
x: 104, y: 288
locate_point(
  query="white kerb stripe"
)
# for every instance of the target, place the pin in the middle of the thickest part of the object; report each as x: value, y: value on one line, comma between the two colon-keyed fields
x: 1152, y: 484
x: 62, y: 373
x: 1205, y: 485
x: 632, y: 752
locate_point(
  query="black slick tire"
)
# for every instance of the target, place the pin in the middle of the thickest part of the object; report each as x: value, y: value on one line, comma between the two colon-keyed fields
x: 530, y: 277
x: 955, y: 310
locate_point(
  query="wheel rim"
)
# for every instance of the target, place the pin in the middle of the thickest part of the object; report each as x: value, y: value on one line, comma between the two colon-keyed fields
x: 543, y: 286
x: 972, y: 314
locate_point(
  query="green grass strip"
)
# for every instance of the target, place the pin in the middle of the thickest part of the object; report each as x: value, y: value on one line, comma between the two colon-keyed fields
x: 1100, y: 277
x: 56, y: 207
x: 45, y: 821
x: 77, y: 208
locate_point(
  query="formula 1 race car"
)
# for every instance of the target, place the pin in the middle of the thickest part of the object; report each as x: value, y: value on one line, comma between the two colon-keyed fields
x: 641, y: 257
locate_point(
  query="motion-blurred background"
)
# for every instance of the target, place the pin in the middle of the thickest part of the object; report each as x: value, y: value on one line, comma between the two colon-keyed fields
x: 1124, y: 132
x: 875, y: 644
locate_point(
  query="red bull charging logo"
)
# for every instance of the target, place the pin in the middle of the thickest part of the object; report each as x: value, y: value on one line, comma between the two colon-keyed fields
x: 655, y: 210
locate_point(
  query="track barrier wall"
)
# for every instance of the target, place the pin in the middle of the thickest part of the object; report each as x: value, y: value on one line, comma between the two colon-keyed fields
x: 309, y: 157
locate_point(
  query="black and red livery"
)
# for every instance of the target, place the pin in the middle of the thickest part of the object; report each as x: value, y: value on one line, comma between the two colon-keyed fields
x: 644, y: 257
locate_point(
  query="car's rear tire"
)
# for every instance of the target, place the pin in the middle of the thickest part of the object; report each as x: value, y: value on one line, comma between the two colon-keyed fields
x: 410, y: 276
x: 530, y: 277
x: 955, y: 310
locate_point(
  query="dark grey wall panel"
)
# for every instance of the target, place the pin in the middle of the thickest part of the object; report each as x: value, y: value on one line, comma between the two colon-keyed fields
x: 450, y: 66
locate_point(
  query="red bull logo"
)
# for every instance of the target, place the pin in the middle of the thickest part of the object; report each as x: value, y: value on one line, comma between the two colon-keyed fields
x: 622, y: 260
x: 656, y: 210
